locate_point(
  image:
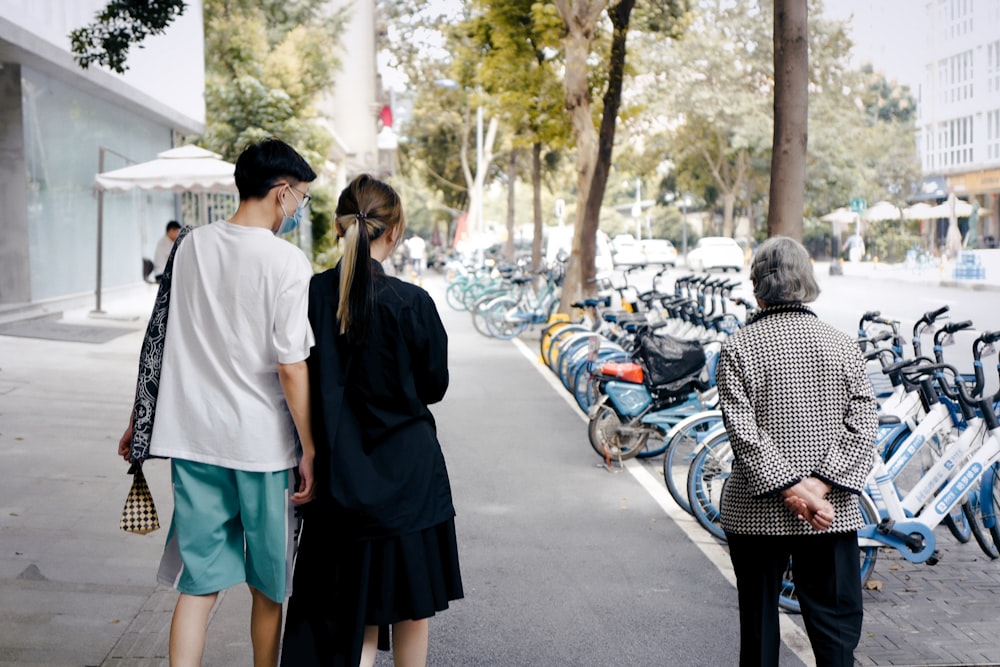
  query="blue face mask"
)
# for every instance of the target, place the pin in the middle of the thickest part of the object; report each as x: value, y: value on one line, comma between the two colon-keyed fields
x: 290, y: 223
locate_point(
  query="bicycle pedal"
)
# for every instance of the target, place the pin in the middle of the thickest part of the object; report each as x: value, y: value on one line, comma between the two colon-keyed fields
x: 935, y: 558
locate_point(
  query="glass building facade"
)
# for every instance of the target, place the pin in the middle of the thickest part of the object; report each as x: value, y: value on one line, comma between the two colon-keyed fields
x: 64, y: 132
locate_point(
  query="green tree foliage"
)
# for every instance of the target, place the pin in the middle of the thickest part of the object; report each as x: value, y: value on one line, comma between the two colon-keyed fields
x: 582, y: 22
x: 713, y: 89
x: 121, y: 25
x: 511, y: 51
x: 267, y: 63
x: 437, y: 139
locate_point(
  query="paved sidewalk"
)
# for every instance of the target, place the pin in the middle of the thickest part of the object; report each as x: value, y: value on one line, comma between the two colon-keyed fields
x: 75, y: 590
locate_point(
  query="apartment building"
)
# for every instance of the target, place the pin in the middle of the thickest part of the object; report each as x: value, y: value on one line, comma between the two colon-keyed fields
x: 959, y: 106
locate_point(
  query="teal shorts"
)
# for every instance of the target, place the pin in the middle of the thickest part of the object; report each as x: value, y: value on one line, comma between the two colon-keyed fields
x: 229, y: 527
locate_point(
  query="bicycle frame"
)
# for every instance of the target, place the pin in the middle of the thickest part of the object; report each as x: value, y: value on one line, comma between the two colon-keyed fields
x: 961, y: 465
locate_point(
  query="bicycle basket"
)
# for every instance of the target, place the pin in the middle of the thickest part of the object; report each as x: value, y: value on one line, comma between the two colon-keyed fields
x: 667, y: 359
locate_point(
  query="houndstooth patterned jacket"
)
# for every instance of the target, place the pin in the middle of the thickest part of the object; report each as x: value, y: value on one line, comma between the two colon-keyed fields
x: 796, y: 403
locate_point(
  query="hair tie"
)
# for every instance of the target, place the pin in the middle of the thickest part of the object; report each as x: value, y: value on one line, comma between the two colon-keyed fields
x: 361, y: 216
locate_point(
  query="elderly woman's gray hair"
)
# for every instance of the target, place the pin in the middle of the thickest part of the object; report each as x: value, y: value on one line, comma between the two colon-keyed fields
x: 782, y: 272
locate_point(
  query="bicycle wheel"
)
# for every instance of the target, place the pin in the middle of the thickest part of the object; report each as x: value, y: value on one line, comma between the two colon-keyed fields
x: 708, y: 474
x: 683, y: 443
x: 559, y: 340
x: 478, y: 314
x: 990, y: 499
x: 551, y: 333
x: 611, y: 440
x: 453, y: 295
x: 973, y: 515
x: 787, y: 599
x: 585, y: 388
x: 960, y: 529
x: 502, y: 319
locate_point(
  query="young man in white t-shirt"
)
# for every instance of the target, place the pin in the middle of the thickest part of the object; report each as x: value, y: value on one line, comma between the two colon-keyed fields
x: 233, y: 403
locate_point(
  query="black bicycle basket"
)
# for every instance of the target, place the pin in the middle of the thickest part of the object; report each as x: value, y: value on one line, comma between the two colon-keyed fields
x: 669, y: 361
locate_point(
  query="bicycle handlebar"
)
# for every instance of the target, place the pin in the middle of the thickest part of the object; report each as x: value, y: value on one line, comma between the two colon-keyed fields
x: 950, y: 328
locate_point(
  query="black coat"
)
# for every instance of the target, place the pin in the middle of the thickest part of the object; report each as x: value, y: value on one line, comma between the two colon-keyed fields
x: 379, y: 467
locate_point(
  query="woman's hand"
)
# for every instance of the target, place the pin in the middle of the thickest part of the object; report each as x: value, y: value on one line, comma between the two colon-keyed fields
x: 807, y: 501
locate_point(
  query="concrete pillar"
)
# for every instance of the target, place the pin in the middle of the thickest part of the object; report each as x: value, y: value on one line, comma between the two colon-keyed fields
x: 15, y: 276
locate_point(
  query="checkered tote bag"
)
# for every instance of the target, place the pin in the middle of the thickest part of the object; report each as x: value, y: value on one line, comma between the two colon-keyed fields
x: 139, y: 515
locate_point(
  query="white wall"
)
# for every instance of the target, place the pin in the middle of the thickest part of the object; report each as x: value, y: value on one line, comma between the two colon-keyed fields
x: 353, y: 106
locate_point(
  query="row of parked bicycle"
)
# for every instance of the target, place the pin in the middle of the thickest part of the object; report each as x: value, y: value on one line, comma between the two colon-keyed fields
x: 646, y: 380
x: 504, y: 300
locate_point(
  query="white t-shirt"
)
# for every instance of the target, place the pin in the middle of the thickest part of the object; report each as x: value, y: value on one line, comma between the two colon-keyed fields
x: 162, y: 254
x: 238, y: 308
x: 417, y: 246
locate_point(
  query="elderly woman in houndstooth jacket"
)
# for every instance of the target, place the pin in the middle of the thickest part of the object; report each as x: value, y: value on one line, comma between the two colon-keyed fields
x: 801, y: 416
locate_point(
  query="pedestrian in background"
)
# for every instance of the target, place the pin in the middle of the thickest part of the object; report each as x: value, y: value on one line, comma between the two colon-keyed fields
x: 378, y: 545
x: 163, y: 248
x: 801, y: 415
x: 233, y: 398
x: 417, y: 251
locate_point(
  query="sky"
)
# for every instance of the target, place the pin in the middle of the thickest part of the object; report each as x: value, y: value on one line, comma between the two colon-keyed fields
x: 890, y: 34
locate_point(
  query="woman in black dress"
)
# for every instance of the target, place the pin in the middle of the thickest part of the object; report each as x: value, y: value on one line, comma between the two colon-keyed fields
x: 378, y: 544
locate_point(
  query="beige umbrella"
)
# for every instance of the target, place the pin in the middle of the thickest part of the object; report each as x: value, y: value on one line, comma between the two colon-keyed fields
x: 881, y: 211
x: 183, y: 169
x: 953, y: 206
x: 919, y: 211
x: 842, y: 215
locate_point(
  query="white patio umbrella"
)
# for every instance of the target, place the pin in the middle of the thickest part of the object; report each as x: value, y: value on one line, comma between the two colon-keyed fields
x: 842, y: 215
x: 953, y: 206
x: 883, y: 210
x: 183, y: 169
x: 919, y: 211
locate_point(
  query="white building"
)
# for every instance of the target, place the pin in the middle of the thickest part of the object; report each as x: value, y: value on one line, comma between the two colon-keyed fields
x: 356, y: 107
x: 958, y: 115
x: 57, y: 119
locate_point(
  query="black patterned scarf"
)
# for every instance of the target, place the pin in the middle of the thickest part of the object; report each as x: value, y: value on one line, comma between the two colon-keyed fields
x: 151, y: 361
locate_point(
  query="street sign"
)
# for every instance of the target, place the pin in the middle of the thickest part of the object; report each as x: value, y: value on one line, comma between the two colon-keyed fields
x: 858, y: 205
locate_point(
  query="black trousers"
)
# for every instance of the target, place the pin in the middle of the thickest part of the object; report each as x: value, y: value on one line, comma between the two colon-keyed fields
x: 826, y: 570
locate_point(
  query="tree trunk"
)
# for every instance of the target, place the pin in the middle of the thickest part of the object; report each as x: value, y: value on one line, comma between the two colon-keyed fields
x: 791, y: 106
x: 536, y: 188
x: 580, y: 18
x: 594, y: 150
x: 511, y: 179
x: 476, y: 181
x: 728, y: 216
x: 620, y: 14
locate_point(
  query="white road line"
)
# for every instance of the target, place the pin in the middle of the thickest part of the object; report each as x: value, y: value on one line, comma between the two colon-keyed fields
x: 791, y: 634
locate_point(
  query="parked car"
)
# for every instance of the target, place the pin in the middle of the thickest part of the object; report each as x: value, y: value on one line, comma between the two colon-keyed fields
x: 715, y: 252
x: 659, y: 251
x: 626, y: 251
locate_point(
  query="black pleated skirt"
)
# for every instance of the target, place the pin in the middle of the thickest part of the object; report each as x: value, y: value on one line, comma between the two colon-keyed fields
x: 342, y: 585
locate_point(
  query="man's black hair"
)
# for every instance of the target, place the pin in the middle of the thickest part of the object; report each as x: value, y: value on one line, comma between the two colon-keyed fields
x: 265, y: 163
x: 173, y: 224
